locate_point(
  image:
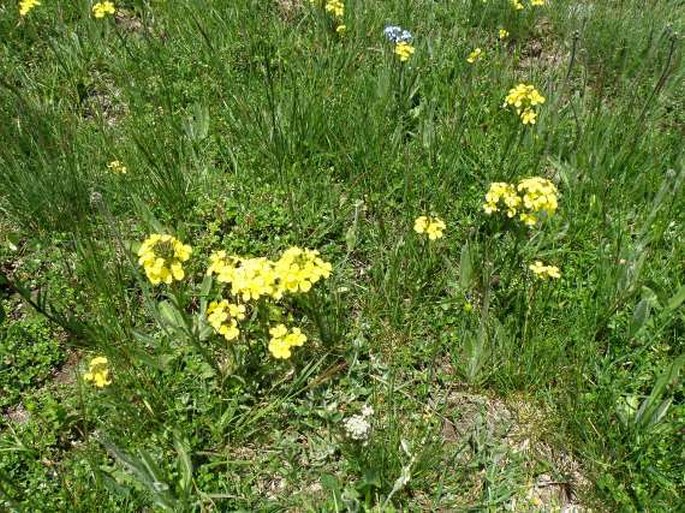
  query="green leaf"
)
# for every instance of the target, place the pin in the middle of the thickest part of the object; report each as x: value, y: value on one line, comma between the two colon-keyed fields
x: 653, y: 408
x: 465, y: 266
x: 676, y: 300
x: 185, y: 465
x: 206, y: 286
x: 640, y: 316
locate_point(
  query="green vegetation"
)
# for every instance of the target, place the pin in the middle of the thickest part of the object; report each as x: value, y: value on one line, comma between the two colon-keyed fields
x: 521, y: 351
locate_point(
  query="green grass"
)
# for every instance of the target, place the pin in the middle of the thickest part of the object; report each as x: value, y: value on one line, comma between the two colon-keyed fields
x: 251, y: 127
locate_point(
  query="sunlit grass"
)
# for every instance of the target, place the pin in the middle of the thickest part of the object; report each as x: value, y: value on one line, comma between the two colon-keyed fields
x: 495, y: 194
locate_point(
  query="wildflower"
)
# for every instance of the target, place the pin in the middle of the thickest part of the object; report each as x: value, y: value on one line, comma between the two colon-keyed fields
x: 502, y: 33
x: 528, y: 116
x: 117, y: 167
x: 523, y: 98
x: 501, y: 192
x: 251, y: 278
x: 516, y: 4
x: 336, y: 8
x: 224, y: 316
x: 396, y: 34
x: 298, y: 269
x: 539, y: 195
x: 281, y: 341
x: 474, y: 56
x: 341, y: 29
x: 530, y: 198
x: 25, y: 6
x: 431, y: 226
x: 537, y: 3
x: 544, y: 272
x: 98, y: 372
x: 102, y: 9
x: 404, y: 51
x: 162, y: 257
x: 358, y: 427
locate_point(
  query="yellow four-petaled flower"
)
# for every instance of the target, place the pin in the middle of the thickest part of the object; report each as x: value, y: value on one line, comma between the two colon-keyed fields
x: 98, y: 372
x: 544, y: 272
x: 528, y: 199
x: 102, y: 9
x: 224, y: 316
x: 474, y: 56
x: 431, y: 226
x: 162, y: 258
x: 524, y: 98
x: 251, y: 278
x: 25, y: 6
x: 283, y: 341
x: 404, y: 51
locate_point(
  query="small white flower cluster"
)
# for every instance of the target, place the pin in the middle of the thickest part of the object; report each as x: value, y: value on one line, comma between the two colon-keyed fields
x: 358, y: 427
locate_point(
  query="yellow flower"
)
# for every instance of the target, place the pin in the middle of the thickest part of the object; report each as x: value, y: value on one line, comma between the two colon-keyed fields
x: 341, y: 29
x: 117, y: 167
x: 251, y: 278
x: 335, y: 7
x: 404, y: 51
x: 537, y: 3
x: 224, y: 316
x: 298, y: 269
x: 523, y: 97
x: 98, y: 372
x: 162, y: 258
x: 102, y: 9
x: 504, y: 192
x: 516, y: 4
x: 528, y: 199
x: 431, y: 226
x: 528, y: 116
x: 503, y: 33
x: 544, y: 272
x: 474, y: 56
x: 26, y: 5
x: 281, y: 341
x: 539, y: 195
x: 528, y: 219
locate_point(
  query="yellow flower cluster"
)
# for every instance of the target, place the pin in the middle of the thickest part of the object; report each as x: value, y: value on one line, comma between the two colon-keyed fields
x: 25, y: 6
x: 335, y: 7
x: 162, y: 257
x: 102, y: 9
x: 117, y: 167
x: 224, y: 316
x: 524, y: 98
x: 502, y: 33
x: 474, y: 56
x: 282, y: 341
x: 251, y: 278
x: 528, y: 199
x: 431, y: 226
x: 296, y: 271
x: 98, y: 372
x: 404, y: 51
x: 544, y: 271
x: 505, y: 193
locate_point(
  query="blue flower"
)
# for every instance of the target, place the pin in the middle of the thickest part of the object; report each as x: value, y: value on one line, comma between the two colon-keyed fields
x: 392, y: 32
x: 405, y: 37
x: 396, y: 34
